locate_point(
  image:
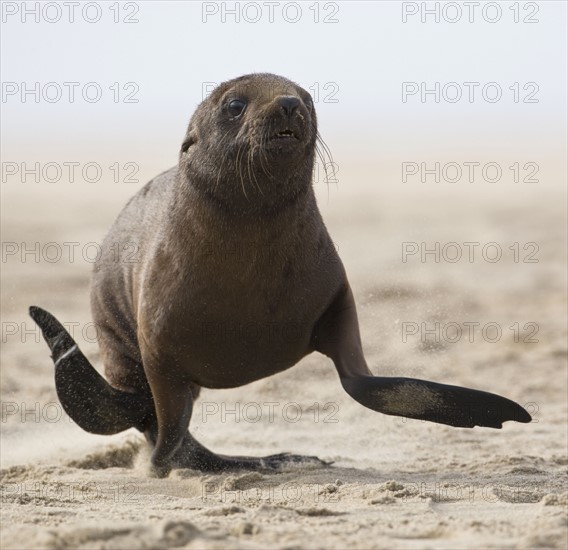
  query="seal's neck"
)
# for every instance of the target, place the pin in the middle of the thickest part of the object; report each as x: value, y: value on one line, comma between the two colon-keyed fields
x: 246, y: 193
x: 196, y: 214
x: 244, y: 200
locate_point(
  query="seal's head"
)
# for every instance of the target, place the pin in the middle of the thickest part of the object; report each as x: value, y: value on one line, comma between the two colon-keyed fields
x: 251, y: 144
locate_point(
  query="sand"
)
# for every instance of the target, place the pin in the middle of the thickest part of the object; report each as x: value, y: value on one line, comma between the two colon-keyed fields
x: 394, y: 483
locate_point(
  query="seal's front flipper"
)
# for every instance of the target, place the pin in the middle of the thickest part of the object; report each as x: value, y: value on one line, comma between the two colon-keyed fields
x: 85, y: 395
x: 337, y: 336
x: 423, y: 400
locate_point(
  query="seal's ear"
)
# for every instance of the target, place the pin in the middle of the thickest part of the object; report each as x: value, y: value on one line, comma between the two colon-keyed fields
x: 188, y: 142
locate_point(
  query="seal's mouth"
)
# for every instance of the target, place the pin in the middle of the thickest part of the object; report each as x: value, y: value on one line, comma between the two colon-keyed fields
x: 286, y: 134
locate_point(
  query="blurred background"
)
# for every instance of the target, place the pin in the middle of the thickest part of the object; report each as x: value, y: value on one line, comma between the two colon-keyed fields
x: 354, y: 60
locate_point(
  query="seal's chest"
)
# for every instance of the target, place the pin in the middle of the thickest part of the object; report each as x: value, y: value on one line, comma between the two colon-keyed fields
x: 238, y: 329
x: 246, y: 308
x: 240, y: 312
x: 254, y: 293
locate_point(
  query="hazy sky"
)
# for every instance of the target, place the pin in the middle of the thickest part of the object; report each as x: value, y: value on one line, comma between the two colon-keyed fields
x: 361, y: 61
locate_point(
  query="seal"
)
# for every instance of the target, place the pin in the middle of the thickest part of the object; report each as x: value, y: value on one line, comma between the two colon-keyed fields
x: 232, y: 277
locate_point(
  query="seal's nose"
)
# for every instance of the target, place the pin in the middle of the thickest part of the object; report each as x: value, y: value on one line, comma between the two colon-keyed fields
x: 289, y: 104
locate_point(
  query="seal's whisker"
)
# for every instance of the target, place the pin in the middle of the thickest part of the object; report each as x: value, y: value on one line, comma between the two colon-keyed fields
x: 264, y: 157
x: 266, y: 137
x: 219, y: 172
x: 239, y: 167
x: 222, y: 164
x: 250, y: 166
x: 323, y: 151
x: 324, y: 146
x: 324, y: 164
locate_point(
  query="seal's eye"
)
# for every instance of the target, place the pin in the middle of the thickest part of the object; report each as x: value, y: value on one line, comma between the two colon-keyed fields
x: 236, y: 107
x: 309, y: 103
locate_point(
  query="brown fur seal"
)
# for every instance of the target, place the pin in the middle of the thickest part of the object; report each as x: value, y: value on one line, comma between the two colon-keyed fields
x: 230, y: 238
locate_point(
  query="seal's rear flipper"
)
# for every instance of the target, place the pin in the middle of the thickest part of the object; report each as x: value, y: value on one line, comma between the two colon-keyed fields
x: 85, y: 395
x: 191, y: 454
x: 423, y: 400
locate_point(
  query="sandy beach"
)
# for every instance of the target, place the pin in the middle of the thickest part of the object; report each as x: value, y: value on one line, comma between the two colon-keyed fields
x: 394, y: 483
